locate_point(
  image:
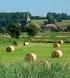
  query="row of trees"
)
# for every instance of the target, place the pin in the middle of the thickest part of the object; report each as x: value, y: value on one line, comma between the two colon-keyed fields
x: 15, y: 23
x: 7, y: 18
x: 17, y: 17
x: 14, y: 29
x: 53, y: 17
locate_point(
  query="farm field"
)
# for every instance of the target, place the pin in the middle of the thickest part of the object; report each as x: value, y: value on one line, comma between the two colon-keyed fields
x: 63, y: 23
x: 34, y: 39
x: 13, y: 64
x: 42, y: 50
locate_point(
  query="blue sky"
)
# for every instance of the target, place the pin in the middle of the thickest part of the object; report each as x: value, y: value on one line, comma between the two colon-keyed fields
x: 36, y: 7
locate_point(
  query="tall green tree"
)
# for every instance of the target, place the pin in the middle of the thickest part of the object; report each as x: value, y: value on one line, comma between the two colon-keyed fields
x: 14, y: 30
x: 32, y: 29
x: 50, y: 18
x: 57, y: 16
x: 64, y: 16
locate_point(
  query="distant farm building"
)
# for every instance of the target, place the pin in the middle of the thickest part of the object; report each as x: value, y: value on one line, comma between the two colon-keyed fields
x: 49, y: 27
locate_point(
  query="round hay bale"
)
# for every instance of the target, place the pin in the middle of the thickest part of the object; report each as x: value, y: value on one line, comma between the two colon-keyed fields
x: 56, y: 45
x: 30, y: 57
x: 60, y: 42
x: 57, y: 54
x: 10, y: 49
x: 26, y: 43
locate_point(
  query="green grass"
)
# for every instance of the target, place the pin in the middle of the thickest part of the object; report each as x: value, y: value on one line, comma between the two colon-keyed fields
x: 42, y: 50
x: 13, y: 65
x: 27, y: 70
x: 63, y: 23
x: 39, y: 22
x: 48, y: 37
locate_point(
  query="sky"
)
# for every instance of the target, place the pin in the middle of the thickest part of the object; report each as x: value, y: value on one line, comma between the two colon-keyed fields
x: 36, y: 7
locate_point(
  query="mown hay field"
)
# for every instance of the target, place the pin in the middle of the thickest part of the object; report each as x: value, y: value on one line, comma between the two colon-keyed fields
x: 13, y: 64
x: 42, y: 50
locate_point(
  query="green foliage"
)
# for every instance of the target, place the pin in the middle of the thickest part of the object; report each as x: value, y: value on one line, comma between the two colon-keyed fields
x: 64, y: 16
x: 23, y: 28
x: 50, y: 18
x: 15, y: 43
x: 57, y: 16
x: 32, y: 29
x: 14, y: 30
x: 26, y: 70
x: 68, y: 28
x: 3, y: 30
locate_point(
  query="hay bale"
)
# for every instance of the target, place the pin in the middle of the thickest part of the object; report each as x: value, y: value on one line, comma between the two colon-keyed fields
x: 26, y: 43
x: 60, y: 42
x: 10, y: 49
x: 30, y: 57
x: 56, y: 45
x: 57, y: 54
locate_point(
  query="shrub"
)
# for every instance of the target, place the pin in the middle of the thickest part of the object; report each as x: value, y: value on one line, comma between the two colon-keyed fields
x: 15, y: 43
x: 32, y: 29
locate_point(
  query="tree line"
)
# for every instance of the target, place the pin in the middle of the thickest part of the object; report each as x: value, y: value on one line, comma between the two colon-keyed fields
x: 53, y: 17
x: 6, y: 18
x: 16, y: 22
x: 18, y: 17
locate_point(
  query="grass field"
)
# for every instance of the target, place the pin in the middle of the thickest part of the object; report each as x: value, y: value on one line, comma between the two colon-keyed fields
x: 63, y: 23
x: 39, y: 22
x: 42, y: 50
x: 27, y: 70
x: 13, y: 65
